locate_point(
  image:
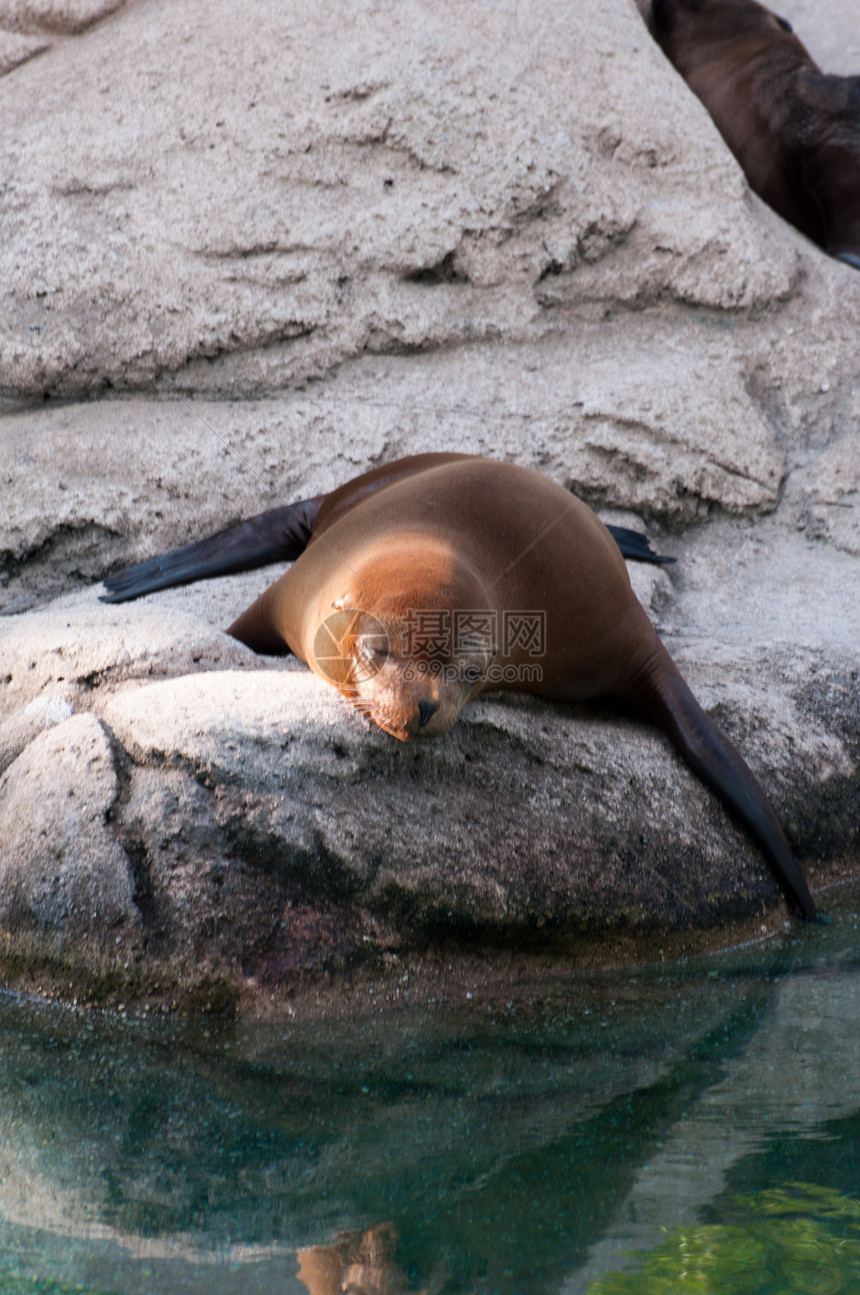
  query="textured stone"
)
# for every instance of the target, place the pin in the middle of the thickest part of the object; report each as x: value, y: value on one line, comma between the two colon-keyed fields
x: 651, y: 436
x: 62, y: 874
x: 252, y: 211
x: 831, y: 495
x: 62, y: 655
x: 436, y: 836
x: 16, y: 49
x: 60, y: 16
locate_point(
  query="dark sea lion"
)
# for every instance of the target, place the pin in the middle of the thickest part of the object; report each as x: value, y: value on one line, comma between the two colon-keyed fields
x: 424, y: 582
x: 794, y: 130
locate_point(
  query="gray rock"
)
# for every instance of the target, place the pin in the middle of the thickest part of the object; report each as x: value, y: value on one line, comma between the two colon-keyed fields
x: 621, y: 430
x: 830, y: 495
x: 274, y: 197
x: 62, y: 873
x: 16, y: 49
x: 64, y: 17
x: 526, y: 815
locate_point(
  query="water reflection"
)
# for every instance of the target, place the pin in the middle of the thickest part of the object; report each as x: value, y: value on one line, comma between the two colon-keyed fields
x: 793, y: 1084
x: 357, y: 1262
x: 522, y: 1147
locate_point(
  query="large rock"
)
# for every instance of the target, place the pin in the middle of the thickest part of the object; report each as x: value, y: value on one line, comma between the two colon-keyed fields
x: 599, y: 425
x: 475, y: 231
x: 61, y: 869
x: 252, y: 196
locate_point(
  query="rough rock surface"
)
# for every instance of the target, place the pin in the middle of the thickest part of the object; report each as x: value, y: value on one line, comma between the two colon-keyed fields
x: 281, y: 246
x: 61, y: 869
x: 252, y: 211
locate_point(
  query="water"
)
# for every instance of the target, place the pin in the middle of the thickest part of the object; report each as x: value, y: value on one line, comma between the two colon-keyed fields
x: 688, y: 1127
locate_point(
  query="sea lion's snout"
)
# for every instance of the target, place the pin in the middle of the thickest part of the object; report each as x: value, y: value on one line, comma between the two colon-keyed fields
x: 430, y: 714
x: 426, y: 709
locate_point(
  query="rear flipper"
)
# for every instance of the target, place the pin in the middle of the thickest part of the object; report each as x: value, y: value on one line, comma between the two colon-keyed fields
x: 636, y: 546
x: 661, y: 696
x: 277, y: 536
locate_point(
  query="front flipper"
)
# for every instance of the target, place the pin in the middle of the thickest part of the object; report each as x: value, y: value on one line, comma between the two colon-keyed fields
x: 660, y: 695
x: 636, y: 546
x: 850, y: 258
x: 280, y: 535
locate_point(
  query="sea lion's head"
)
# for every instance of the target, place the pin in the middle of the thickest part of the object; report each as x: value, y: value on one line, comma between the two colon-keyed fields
x: 408, y: 636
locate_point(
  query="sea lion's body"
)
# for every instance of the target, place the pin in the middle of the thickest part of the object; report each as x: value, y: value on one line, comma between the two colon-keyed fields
x: 794, y: 129
x: 596, y: 629
x: 467, y: 547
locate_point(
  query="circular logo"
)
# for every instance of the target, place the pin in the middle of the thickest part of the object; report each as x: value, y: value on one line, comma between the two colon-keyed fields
x: 350, y: 646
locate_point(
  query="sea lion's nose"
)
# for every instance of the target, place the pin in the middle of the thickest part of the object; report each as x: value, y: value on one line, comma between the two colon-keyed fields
x: 425, y: 710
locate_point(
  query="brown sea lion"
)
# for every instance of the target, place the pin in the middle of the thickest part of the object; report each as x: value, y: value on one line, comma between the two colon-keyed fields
x: 424, y: 582
x: 794, y: 129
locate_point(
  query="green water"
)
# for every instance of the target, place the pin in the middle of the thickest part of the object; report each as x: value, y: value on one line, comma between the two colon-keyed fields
x: 688, y: 1127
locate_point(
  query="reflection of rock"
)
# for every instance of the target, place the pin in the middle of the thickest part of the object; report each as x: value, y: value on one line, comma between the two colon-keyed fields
x: 805, y: 1042
x: 216, y: 1151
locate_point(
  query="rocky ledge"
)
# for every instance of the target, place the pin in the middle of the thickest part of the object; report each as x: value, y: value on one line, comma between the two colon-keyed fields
x: 280, y: 248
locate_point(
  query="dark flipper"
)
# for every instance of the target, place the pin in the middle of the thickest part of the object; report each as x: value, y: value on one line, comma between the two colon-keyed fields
x: 636, y: 546
x: 661, y: 696
x: 850, y: 258
x: 277, y: 536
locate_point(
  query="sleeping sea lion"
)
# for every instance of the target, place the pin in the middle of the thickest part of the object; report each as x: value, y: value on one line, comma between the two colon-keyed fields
x: 424, y: 582
x: 794, y: 129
